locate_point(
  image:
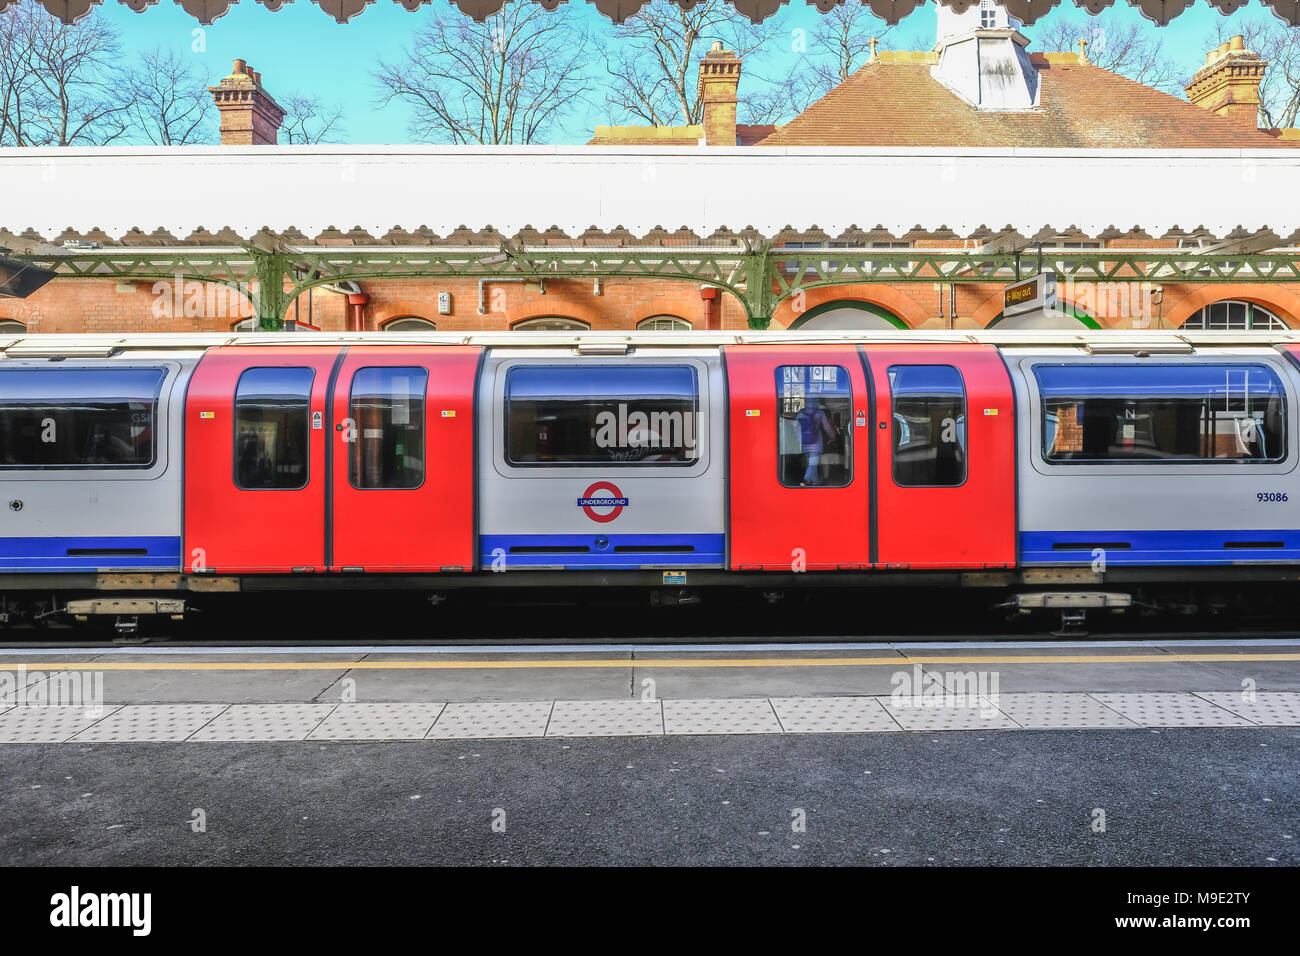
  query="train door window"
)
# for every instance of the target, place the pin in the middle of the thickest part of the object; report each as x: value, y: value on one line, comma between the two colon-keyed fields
x: 79, y: 417
x: 386, y: 406
x: 608, y: 415
x: 929, y: 425
x: 814, y: 426
x: 272, y: 432
x: 1162, y: 413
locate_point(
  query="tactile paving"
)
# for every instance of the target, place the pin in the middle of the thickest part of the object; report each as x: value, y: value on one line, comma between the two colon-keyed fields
x: 264, y: 722
x: 833, y: 715
x: 513, y: 718
x: 606, y: 718
x: 726, y: 716
x: 1269, y: 708
x: 1060, y: 711
x: 395, y: 721
x: 1171, y: 710
x: 44, y: 725
x: 938, y: 715
x: 134, y: 723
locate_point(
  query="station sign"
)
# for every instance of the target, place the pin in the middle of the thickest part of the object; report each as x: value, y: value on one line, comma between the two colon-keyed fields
x: 1035, y: 294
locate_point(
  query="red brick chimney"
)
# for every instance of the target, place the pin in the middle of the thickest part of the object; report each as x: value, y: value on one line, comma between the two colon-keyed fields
x: 1228, y: 84
x: 719, y: 79
x: 249, y: 116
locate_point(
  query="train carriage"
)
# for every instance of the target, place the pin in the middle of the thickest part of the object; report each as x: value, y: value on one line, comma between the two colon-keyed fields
x: 1056, y: 470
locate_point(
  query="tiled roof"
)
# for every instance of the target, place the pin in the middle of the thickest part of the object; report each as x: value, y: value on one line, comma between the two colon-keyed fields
x: 898, y: 103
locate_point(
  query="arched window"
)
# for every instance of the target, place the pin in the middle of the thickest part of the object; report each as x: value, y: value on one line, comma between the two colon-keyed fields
x: 10, y: 326
x: 245, y: 325
x: 550, y: 323
x: 847, y: 315
x: 663, y: 323
x: 1233, y: 315
x: 410, y: 323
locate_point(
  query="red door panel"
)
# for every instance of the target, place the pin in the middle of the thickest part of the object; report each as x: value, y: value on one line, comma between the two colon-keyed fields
x: 416, y: 518
x: 776, y: 524
x: 229, y: 529
x: 968, y: 525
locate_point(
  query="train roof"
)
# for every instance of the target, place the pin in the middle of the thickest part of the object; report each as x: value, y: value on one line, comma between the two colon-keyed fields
x: 612, y: 343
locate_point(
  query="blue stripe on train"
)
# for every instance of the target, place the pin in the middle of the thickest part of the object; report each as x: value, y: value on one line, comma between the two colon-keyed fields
x: 619, y: 551
x: 1160, y: 547
x: 90, y: 554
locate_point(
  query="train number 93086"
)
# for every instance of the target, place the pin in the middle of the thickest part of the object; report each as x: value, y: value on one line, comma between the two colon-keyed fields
x: 1271, y: 496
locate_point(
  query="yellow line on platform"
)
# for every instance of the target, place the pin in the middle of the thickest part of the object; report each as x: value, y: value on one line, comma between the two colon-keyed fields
x: 561, y: 663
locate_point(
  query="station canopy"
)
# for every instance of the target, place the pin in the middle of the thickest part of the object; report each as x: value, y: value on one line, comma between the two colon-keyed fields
x: 414, y: 195
x: 1027, y: 11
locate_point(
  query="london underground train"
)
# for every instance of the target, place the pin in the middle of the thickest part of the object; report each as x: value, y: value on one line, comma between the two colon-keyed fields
x: 1051, y: 470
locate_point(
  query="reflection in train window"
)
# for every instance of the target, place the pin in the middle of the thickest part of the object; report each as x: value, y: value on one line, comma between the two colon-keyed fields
x: 271, y: 428
x: 387, y: 407
x: 929, y: 425
x: 1163, y: 413
x: 814, y: 426
x: 608, y: 415
x: 79, y: 417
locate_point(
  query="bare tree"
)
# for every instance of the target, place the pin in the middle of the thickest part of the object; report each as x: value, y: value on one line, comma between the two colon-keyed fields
x: 1134, y: 50
x: 62, y: 82
x: 837, y: 49
x: 653, y: 59
x: 507, y: 80
x: 170, y: 103
x: 1279, y: 44
x: 308, y: 120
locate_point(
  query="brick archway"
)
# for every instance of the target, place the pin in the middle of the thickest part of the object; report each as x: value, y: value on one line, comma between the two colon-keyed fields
x: 882, y: 296
x: 404, y: 309
x: 560, y: 308
x: 688, y: 310
x: 1282, y: 302
x: 991, y: 308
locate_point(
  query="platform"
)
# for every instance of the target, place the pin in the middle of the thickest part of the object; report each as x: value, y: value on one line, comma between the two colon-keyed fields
x: 212, y: 694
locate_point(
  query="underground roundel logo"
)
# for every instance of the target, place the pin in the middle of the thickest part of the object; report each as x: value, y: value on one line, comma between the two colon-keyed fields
x: 610, y: 497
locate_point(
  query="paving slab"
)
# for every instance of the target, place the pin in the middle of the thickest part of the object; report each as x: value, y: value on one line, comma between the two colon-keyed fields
x: 739, y: 716
x: 264, y: 722
x: 1171, y: 710
x: 31, y: 725
x: 833, y: 715
x: 1265, y: 708
x: 388, y: 721
x: 520, y: 718
x: 606, y: 718
x: 138, y: 723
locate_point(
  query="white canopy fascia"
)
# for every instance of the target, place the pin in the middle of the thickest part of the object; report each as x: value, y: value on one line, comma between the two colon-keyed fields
x: 438, y: 190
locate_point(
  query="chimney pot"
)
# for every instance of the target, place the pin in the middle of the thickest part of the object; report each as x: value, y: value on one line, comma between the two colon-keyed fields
x: 1228, y: 86
x: 1237, y: 43
x: 247, y: 119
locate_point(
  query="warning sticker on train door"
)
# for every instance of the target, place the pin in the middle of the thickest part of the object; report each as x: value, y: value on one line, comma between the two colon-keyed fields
x: 860, y: 420
x: 316, y: 420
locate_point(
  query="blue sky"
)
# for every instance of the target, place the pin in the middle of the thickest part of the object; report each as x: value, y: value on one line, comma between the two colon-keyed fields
x: 302, y: 49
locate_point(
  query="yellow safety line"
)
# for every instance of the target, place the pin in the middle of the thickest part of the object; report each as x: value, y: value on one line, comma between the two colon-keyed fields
x: 499, y: 664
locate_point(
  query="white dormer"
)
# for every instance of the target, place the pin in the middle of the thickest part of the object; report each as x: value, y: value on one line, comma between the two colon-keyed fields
x: 982, y: 58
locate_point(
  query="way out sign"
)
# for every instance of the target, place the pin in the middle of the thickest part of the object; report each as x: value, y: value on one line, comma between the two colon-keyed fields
x: 1036, y: 294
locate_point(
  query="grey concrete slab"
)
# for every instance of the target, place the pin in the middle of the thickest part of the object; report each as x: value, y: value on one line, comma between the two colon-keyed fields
x: 263, y: 722
x: 219, y: 686
x: 481, y: 684
x: 1172, y: 710
x: 778, y: 681
x: 1265, y: 675
x: 522, y: 718
x: 1024, y: 678
x: 21, y: 725
x: 1265, y: 708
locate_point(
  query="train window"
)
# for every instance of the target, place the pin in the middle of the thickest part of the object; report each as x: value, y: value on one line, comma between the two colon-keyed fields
x: 608, y: 415
x: 1162, y: 413
x: 272, y: 434
x: 79, y: 417
x: 814, y: 426
x: 387, y: 405
x: 929, y: 425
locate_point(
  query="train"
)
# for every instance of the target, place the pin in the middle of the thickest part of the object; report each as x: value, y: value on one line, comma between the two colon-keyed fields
x: 1097, y: 472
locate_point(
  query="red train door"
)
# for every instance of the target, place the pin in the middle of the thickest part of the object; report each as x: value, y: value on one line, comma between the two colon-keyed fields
x: 799, y: 476
x: 255, y: 483
x: 945, y: 453
x: 402, y: 427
